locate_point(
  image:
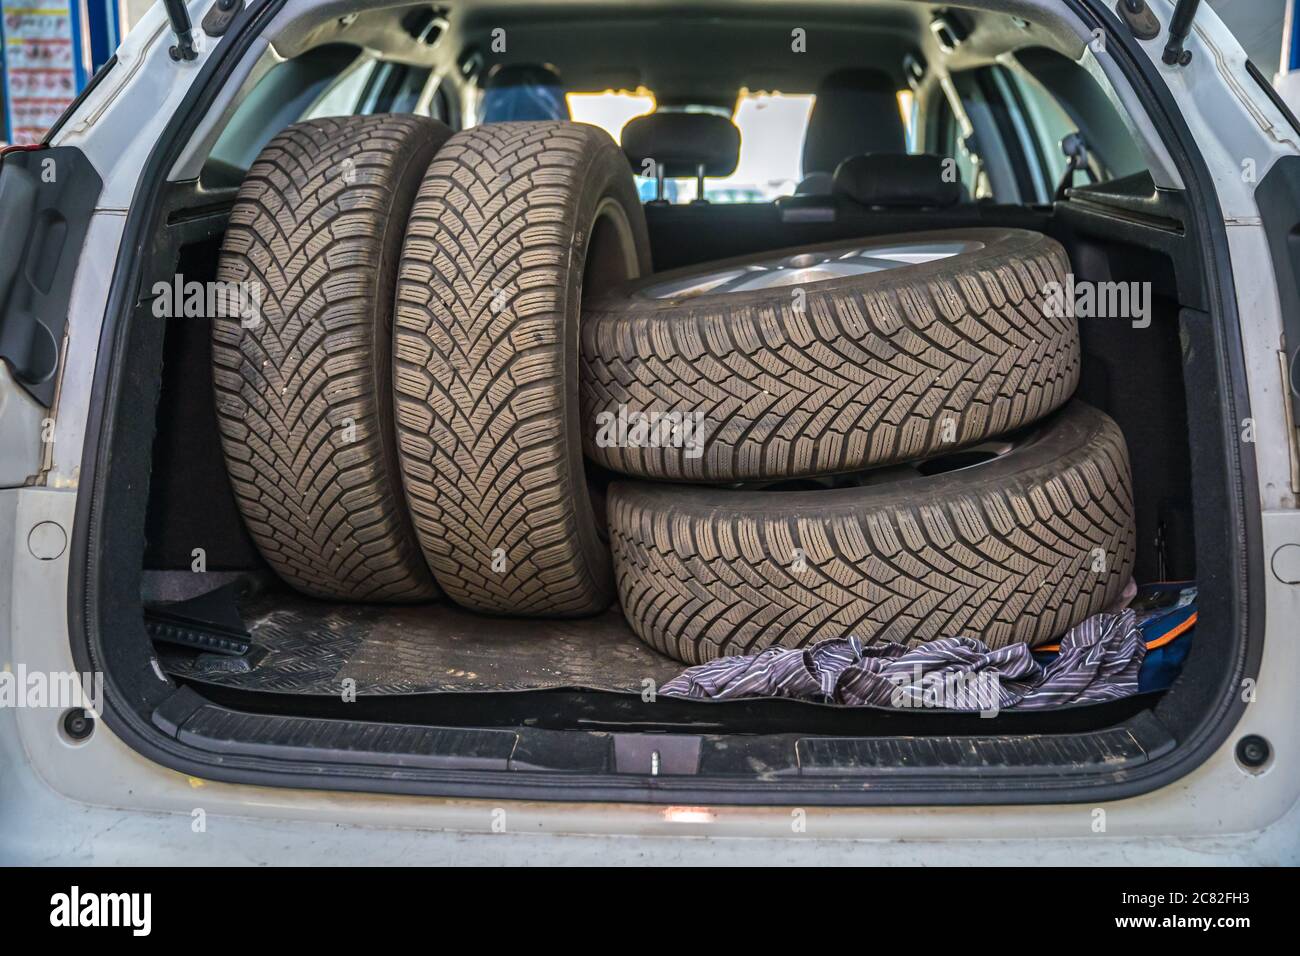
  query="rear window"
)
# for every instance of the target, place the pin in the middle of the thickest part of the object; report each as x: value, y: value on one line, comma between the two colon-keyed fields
x: 771, y: 128
x: 334, y: 79
x: 1008, y: 141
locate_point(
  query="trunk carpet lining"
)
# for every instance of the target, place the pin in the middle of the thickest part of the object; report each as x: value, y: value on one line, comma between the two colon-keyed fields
x: 312, y: 647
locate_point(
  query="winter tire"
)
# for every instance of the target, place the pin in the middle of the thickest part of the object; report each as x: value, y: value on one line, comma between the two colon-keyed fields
x: 1018, y: 548
x: 512, y: 220
x: 826, y: 359
x: 303, y: 382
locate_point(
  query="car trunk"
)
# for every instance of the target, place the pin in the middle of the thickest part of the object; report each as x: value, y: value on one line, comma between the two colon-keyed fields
x: 578, y: 696
x: 219, y: 669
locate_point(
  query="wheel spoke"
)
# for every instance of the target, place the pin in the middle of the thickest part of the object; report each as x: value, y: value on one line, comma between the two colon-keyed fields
x: 807, y: 268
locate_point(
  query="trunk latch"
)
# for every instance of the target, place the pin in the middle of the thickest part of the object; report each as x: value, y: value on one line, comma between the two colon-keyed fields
x: 656, y: 754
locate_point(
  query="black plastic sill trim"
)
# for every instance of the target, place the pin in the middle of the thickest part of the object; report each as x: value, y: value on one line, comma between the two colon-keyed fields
x: 128, y: 706
x: 470, y: 762
x: 587, y: 710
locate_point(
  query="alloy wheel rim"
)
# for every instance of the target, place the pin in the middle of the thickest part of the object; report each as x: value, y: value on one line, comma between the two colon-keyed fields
x: 807, y: 268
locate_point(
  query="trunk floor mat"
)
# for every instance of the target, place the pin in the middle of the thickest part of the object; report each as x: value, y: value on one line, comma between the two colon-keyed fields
x: 312, y: 647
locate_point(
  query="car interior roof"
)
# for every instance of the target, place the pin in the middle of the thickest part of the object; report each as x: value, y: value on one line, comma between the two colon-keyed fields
x: 702, y: 53
x: 696, y: 58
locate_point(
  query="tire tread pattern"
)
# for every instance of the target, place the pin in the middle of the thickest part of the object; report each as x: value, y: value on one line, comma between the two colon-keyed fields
x: 303, y: 401
x: 704, y: 573
x: 482, y: 346
x: 859, y: 377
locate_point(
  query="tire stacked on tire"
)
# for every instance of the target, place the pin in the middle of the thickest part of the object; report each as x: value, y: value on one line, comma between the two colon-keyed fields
x: 806, y: 382
x: 449, y: 321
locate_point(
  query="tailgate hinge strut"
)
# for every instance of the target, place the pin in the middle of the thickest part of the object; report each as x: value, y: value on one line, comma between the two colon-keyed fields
x: 1179, y: 29
x: 181, y: 26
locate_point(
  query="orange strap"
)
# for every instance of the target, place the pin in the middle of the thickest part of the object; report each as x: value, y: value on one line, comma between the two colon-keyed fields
x: 1160, y: 641
x: 1164, y: 639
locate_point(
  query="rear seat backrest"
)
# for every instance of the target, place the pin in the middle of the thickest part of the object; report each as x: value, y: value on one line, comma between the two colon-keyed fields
x: 855, y: 112
x: 922, y: 181
x: 682, y: 144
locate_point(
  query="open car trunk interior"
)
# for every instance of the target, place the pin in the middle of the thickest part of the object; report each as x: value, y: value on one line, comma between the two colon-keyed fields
x: 345, y: 693
x: 316, y: 650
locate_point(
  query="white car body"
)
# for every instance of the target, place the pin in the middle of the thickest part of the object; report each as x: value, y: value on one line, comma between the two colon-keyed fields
x: 101, y: 802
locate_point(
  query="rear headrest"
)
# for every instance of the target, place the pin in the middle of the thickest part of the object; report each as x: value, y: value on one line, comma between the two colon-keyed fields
x: 892, y: 180
x: 681, y: 142
x: 524, y: 91
x: 855, y: 112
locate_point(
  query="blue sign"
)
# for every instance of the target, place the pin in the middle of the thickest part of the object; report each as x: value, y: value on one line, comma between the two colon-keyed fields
x: 45, y: 60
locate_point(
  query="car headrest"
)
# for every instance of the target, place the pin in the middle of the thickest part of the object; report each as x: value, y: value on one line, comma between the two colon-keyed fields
x: 892, y: 180
x: 524, y: 91
x: 682, y: 142
x: 855, y: 112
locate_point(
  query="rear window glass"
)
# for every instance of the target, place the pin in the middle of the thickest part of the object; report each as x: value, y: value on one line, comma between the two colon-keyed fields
x: 771, y: 142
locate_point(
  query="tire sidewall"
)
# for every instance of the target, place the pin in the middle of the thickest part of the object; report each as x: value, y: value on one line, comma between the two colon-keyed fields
x: 607, y: 189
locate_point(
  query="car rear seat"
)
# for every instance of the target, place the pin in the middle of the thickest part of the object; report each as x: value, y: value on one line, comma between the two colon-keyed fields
x: 855, y: 112
x: 882, y: 181
x: 868, y: 195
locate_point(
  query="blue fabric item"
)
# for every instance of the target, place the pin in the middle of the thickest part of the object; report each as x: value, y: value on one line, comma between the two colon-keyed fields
x: 1163, y: 665
x: 1161, y: 609
x: 524, y: 101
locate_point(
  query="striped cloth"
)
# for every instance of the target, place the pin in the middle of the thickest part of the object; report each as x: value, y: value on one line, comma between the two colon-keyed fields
x: 1099, y: 660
